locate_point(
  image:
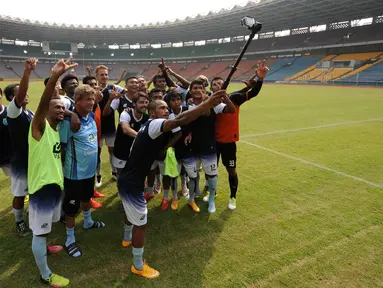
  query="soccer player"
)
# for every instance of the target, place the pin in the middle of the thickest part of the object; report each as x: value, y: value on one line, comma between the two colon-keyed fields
x: 19, y: 119
x: 227, y: 128
x: 142, y: 84
x: 159, y: 82
x: 80, y: 162
x: 204, y: 144
x: 123, y: 101
x: 92, y: 82
x: 130, y: 123
x: 108, y: 125
x: 69, y: 83
x: 181, y: 147
x: 156, y: 94
x: 45, y: 175
x: 5, y: 140
x: 150, y: 140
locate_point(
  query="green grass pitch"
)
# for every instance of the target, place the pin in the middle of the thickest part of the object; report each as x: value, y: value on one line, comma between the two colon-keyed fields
x: 309, y: 208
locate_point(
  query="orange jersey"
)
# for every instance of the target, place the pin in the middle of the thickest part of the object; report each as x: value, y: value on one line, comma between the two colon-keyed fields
x: 97, y: 119
x: 227, y: 127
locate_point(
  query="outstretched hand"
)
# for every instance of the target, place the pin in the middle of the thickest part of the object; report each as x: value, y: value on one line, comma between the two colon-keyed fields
x: 30, y: 64
x: 261, y: 70
x: 62, y: 66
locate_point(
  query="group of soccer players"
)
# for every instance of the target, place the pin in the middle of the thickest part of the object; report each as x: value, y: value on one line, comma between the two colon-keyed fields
x: 54, y: 154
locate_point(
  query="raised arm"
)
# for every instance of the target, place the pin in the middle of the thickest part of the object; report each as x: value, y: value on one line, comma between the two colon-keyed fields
x: 29, y: 65
x: 123, y: 72
x: 38, y: 122
x: 164, y: 69
x: 185, y: 83
x: 238, y: 98
x: 112, y: 95
x: 190, y: 115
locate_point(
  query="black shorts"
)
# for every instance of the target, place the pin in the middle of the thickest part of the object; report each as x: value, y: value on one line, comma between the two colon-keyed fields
x: 77, y: 191
x: 228, y: 151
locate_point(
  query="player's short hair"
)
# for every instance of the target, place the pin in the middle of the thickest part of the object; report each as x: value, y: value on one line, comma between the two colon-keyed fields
x: 9, y: 91
x: 100, y: 67
x: 204, y: 79
x: 130, y: 78
x: 154, y: 90
x: 141, y: 76
x: 216, y: 78
x: 86, y: 79
x: 158, y: 76
x: 172, y: 95
x: 196, y: 82
x: 66, y: 78
x: 83, y: 90
x: 138, y: 95
x: 153, y: 105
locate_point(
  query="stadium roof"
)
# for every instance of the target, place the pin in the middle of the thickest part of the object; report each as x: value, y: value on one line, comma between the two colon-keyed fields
x: 275, y: 15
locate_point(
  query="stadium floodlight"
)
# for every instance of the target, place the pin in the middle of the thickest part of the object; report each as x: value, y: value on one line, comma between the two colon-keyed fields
x: 254, y: 26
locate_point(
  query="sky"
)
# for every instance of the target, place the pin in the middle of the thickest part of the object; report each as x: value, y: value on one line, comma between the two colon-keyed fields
x: 116, y: 12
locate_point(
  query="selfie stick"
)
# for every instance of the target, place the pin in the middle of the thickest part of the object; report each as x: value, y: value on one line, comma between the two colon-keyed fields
x: 255, y: 27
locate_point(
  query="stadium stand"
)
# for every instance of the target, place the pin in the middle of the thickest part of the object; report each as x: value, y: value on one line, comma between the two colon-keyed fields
x: 372, y: 74
x: 298, y: 56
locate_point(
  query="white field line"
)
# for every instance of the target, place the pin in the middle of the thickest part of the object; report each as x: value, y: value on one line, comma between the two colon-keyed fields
x: 312, y: 127
x: 315, y: 165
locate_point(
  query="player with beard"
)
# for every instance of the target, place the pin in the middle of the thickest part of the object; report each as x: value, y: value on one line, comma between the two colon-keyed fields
x: 45, y: 174
x: 150, y: 140
x: 130, y: 123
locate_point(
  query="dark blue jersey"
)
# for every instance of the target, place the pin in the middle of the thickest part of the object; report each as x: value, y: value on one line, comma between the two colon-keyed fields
x: 146, y: 146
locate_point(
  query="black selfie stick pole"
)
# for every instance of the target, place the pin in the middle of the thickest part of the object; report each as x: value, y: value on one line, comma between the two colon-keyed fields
x: 254, y: 30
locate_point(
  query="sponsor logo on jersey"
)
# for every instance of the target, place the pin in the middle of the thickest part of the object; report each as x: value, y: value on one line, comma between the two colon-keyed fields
x: 57, y: 150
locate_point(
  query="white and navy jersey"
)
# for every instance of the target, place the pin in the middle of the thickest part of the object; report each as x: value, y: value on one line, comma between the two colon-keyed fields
x: 19, y: 121
x: 68, y: 102
x: 203, y: 131
x: 120, y: 104
x: 108, y: 124
x: 147, y: 145
x: 5, y: 139
x: 182, y: 151
x: 123, y: 142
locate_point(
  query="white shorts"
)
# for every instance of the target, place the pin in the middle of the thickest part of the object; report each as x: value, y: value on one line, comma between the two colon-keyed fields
x: 118, y: 163
x: 19, y: 184
x: 209, y: 165
x: 6, y: 170
x: 109, y: 139
x: 159, y: 164
x: 45, y: 209
x: 135, y: 207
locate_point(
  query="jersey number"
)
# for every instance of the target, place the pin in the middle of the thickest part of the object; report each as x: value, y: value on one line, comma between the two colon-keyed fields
x: 213, y: 167
x: 231, y: 163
